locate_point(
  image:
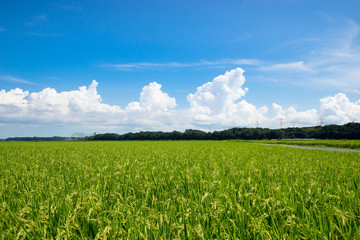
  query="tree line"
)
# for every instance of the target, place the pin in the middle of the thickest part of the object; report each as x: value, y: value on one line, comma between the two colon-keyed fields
x: 347, y: 131
x: 36, y: 139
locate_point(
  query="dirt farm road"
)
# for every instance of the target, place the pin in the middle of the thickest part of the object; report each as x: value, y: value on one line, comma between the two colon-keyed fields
x: 314, y: 148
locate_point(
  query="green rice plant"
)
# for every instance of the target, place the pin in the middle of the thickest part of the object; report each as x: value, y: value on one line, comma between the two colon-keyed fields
x: 176, y: 190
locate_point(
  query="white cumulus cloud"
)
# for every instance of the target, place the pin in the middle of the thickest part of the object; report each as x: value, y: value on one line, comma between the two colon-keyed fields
x: 339, y: 109
x: 290, y: 117
x: 50, y: 106
x: 84, y: 106
x: 152, y: 112
x: 13, y: 97
x: 217, y: 104
x: 152, y: 98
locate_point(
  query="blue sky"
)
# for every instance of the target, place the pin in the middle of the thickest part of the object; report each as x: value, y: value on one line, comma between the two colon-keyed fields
x: 172, y: 65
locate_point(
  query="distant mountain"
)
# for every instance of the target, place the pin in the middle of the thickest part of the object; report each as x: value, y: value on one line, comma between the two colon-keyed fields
x: 79, y: 135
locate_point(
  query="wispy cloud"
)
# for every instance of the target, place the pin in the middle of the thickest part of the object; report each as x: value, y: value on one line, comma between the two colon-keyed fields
x: 292, y: 66
x: 37, y: 25
x: 15, y: 79
x: 43, y: 34
x: 64, y: 5
x: 201, y: 63
x: 302, y: 40
x: 241, y: 38
x: 36, y: 20
x: 334, y: 63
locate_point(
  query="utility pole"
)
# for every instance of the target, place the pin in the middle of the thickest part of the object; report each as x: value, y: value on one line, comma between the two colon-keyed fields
x: 322, y: 120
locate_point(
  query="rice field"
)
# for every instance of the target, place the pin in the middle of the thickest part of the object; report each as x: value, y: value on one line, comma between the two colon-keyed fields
x: 176, y: 190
